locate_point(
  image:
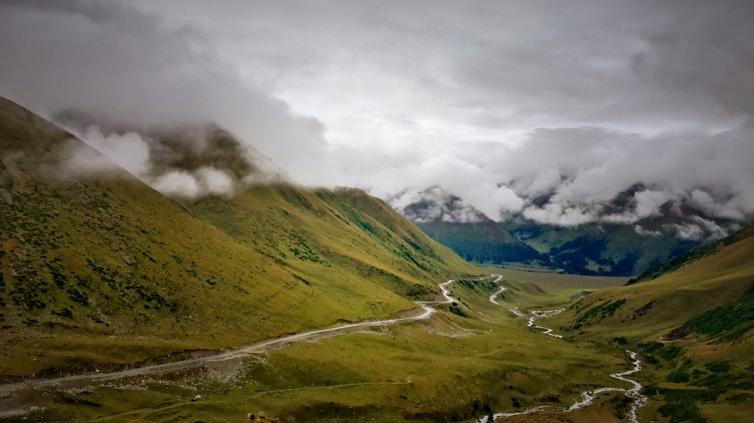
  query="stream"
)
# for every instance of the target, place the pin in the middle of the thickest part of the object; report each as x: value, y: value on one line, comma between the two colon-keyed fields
x: 587, y: 397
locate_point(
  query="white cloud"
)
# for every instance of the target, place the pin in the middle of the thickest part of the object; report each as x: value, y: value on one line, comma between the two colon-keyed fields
x: 177, y: 183
x: 215, y: 181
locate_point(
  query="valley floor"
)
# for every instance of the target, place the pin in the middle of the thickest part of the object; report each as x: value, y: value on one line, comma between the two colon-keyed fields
x: 465, y: 356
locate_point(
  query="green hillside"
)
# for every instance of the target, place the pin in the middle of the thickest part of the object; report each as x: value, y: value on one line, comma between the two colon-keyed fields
x: 689, y: 257
x: 599, y: 248
x: 97, y: 271
x: 693, y: 326
x: 321, y: 233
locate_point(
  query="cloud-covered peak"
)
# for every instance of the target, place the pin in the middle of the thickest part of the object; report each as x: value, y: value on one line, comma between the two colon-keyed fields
x: 184, y: 162
x: 518, y: 107
x: 435, y: 205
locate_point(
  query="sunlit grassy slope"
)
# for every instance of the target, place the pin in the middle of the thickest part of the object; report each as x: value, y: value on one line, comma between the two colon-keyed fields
x: 693, y: 325
x: 98, y: 270
x: 321, y: 233
x: 466, y: 361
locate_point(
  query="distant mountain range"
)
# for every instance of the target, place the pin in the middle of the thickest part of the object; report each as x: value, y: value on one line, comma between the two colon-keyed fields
x: 468, y: 231
x: 608, y: 247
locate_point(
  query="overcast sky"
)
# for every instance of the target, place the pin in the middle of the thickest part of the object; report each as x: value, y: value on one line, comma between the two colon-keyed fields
x: 499, y: 102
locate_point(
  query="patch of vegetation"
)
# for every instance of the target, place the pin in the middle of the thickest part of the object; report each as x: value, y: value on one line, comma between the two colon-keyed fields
x: 682, y: 410
x: 598, y: 312
x: 721, y: 366
x: 65, y: 313
x: 418, y: 291
x: 621, y: 405
x: 306, y: 282
x: 727, y: 322
x: 620, y: 340
x: 645, y: 308
x: 484, y: 285
x: 678, y: 376
x: 681, y: 404
x: 654, y: 351
x: 456, y: 309
x: 303, y: 251
x: 405, y: 254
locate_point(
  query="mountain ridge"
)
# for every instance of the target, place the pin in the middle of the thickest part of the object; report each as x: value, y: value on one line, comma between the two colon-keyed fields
x: 85, y: 256
x: 469, y: 232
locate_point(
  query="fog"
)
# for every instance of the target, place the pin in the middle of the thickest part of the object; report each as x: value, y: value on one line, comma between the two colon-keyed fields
x: 516, y: 107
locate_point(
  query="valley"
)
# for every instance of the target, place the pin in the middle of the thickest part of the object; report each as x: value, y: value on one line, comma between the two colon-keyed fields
x: 310, y: 304
x: 376, y: 212
x: 462, y: 320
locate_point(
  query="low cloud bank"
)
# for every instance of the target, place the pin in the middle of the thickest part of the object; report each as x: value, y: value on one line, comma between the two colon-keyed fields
x: 125, y: 70
x: 186, y: 162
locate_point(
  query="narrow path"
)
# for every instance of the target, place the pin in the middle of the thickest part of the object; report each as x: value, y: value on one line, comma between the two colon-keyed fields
x: 587, y: 397
x: 78, y: 380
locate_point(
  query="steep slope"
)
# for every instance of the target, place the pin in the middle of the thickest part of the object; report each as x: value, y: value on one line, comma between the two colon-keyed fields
x: 692, y: 323
x: 468, y: 231
x: 320, y: 233
x: 97, y: 269
x: 691, y: 256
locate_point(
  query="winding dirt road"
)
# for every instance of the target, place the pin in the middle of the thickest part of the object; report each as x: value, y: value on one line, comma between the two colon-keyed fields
x: 66, y: 382
x: 588, y: 397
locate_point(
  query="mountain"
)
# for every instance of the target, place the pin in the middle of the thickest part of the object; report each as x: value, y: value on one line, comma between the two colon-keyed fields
x: 609, y: 247
x: 469, y: 232
x: 625, y: 239
x: 691, y: 256
x: 98, y: 270
x: 613, y: 249
x: 691, y: 319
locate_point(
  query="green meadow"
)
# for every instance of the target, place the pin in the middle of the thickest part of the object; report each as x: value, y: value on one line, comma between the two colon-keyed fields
x: 470, y: 358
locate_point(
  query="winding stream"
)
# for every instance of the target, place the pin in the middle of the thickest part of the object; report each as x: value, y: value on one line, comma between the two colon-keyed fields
x: 587, y: 397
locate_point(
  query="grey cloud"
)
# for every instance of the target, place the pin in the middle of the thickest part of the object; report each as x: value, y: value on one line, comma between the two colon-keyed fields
x: 518, y: 107
x: 182, y: 162
x: 119, y: 65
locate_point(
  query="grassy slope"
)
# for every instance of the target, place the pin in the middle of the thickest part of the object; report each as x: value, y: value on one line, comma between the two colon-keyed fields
x: 346, y: 232
x: 684, y: 321
x: 458, y: 365
x: 102, y: 270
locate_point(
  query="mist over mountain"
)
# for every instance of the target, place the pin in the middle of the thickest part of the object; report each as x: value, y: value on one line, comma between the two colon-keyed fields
x: 433, y: 204
x: 469, y: 232
x: 394, y: 211
x: 622, y: 240
x: 527, y: 113
x: 184, y: 162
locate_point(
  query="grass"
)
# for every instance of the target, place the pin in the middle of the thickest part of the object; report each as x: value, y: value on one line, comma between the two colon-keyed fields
x: 100, y: 271
x: 692, y: 326
x: 450, y: 368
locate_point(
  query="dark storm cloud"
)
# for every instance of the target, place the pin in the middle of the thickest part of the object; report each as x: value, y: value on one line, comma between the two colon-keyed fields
x: 535, y: 107
x: 115, y: 64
